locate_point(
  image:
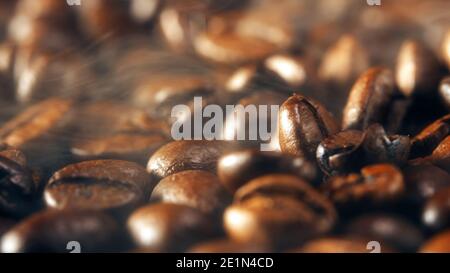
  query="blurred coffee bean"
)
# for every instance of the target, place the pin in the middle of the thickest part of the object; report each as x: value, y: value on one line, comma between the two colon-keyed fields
x: 429, y: 138
x: 36, y: 121
x: 185, y: 155
x: 446, y: 49
x: 226, y: 246
x: 7, y: 54
x: 441, y: 155
x: 52, y: 230
x: 243, y: 80
x: 376, y: 185
x: 198, y: 189
x: 418, y: 71
x: 369, y: 99
x: 439, y: 243
x: 237, y: 168
x: 111, y: 185
x: 303, y: 123
x: 444, y: 91
x: 340, y: 153
x: 344, y: 61
x: 290, y: 72
x: 436, y: 212
x: 144, y: 11
x: 278, y: 211
x: 18, y: 185
x: 388, y: 229
x: 337, y: 245
x: 169, y: 227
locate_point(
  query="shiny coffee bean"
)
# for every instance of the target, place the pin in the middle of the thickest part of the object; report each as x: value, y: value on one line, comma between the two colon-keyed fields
x: 441, y: 155
x: 388, y: 229
x: 201, y: 190
x: 226, y: 246
x: 344, y: 61
x: 439, y: 243
x: 278, y: 211
x: 303, y: 123
x: 287, y: 71
x: 424, y: 181
x: 369, y: 99
x: 418, y: 71
x: 340, y: 153
x: 169, y: 227
x: 185, y: 155
x: 243, y: 80
x: 444, y: 91
x: 237, y: 168
x: 375, y: 185
x: 111, y: 185
x: 337, y: 245
x: 18, y: 185
x: 429, y: 138
x: 436, y: 213
x: 52, y: 230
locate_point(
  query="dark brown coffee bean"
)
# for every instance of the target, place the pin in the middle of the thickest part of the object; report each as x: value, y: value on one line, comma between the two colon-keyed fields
x: 34, y: 122
x: 388, y: 229
x: 429, y: 138
x: 436, y: 213
x: 303, y: 123
x: 369, y: 99
x: 198, y: 189
x: 237, y: 168
x: 340, y: 152
x: 185, y: 155
x: 226, y: 246
x: 344, y: 61
x: 439, y: 243
x: 52, y: 230
x: 418, y: 71
x: 278, y: 211
x: 111, y: 185
x: 423, y: 181
x: 444, y: 91
x: 169, y: 227
x: 376, y: 185
x: 441, y: 155
x: 337, y: 245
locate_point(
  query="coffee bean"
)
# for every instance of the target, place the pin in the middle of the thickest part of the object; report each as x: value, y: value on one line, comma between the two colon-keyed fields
x: 52, y: 230
x: 418, y: 70
x: 169, y: 227
x: 439, y: 243
x: 243, y: 80
x: 198, y: 189
x: 7, y: 55
x: 375, y: 185
x: 429, y: 138
x: 184, y: 155
x: 436, y: 213
x: 441, y: 155
x: 237, y: 168
x: 303, y: 123
x: 270, y: 207
x: 226, y: 246
x: 144, y: 11
x: 336, y: 245
x: 388, y: 229
x: 444, y: 91
x: 110, y: 185
x: 445, y: 48
x: 368, y: 99
x: 287, y: 70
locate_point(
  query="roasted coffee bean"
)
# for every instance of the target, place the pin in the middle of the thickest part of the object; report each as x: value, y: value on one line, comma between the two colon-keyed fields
x: 340, y: 153
x: 436, y: 213
x: 429, y: 138
x: 243, y: 80
x: 423, y: 181
x: 34, y: 122
x: 418, y: 71
x: 226, y: 246
x: 52, y: 230
x: 338, y: 245
x: 444, y: 91
x: 278, y: 211
x: 376, y: 185
x: 111, y: 185
x: 18, y: 185
x: 184, y: 155
x: 201, y: 190
x: 303, y: 123
x: 344, y: 61
x: 237, y: 168
x: 287, y: 71
x: 169, y: 227
x: 369, y: 99
x: 439, y: 243
x: 441, y: 155
x: 387, y: 229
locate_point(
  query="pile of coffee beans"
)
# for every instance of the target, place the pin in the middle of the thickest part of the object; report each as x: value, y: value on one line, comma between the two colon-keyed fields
x: 358, y: 158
